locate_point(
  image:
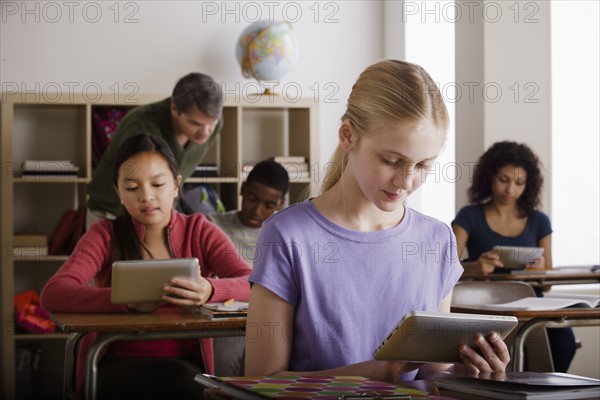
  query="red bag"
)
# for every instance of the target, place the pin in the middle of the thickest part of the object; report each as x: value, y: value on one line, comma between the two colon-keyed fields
x: 67, y: 232
x: 30, y: 316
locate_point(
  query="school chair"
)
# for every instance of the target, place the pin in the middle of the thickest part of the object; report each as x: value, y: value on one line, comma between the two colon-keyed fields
x: 538, y: 356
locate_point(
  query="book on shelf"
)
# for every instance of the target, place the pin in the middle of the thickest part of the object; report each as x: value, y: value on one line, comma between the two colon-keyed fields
x: 48, y: 167
x: 30, y: 251
x: 30, y: 239
x: 520, y: 385
x: 295, y: 170
x: 224, y: 310
x: 205, y: 171
x: 546, y: 303
x: 288, y: 159
x: 307, y: 387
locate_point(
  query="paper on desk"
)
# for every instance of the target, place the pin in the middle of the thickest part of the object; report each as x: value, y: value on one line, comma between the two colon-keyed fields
x: 539, y: 304
x: 234, y: 306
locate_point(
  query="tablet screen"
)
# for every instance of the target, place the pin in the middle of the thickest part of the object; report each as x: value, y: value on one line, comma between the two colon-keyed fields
x: 515, y: 257
x: 142, y: 281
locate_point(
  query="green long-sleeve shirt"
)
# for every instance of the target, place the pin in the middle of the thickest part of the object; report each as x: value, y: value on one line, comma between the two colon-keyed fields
x: 154, y: 119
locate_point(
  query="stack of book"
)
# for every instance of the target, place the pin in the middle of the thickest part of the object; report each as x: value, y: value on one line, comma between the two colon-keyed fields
x: 225, y: 310
x: 48, y: 168
x: 296, y: 166
x: 205, y: 170
x: 520, y: 385
x: 30, y: 245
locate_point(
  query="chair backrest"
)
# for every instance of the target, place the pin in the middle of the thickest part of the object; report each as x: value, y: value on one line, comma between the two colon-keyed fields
x: 466, y: 293
x: 537, y: 349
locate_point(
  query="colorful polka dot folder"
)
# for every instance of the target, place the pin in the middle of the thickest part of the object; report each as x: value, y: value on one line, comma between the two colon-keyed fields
x: 310, y: 387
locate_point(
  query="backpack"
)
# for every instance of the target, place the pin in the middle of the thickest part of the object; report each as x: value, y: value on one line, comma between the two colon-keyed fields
x: 199, y: 197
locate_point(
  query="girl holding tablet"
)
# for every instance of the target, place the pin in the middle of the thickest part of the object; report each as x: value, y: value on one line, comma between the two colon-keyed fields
x: 146, y: 180
x: 337, y: 272
x: 505, y: 197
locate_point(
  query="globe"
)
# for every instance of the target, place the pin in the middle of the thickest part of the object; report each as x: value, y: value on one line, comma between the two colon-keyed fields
x: 267, y: 50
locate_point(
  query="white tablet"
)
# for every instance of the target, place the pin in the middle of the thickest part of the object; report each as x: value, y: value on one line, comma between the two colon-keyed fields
x: 429, y: 336
x: 142, y: 281
x: 515, y: 257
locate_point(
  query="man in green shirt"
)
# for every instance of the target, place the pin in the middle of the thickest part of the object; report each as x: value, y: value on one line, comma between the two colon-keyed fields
x: 189, y: 121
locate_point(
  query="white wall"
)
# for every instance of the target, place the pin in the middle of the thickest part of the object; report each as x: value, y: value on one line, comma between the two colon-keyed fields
x: 575, y: 33
x: 429, y: 42
x: 575, y: 132
x: 503, y: 67
x: 145, y: 46
x: 517, y: 75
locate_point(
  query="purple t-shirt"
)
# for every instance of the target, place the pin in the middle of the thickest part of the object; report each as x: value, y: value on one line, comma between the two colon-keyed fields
x: 350, y: 288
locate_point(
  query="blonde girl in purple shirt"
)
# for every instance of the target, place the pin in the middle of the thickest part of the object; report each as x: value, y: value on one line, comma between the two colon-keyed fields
x: 334, y: 274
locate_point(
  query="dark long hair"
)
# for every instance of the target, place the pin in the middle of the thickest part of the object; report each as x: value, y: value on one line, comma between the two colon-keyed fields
x: 125, y: 244
x: 500, y: 155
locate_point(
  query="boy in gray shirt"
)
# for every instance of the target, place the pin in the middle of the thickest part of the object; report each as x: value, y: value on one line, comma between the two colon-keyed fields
x: 263, y: 193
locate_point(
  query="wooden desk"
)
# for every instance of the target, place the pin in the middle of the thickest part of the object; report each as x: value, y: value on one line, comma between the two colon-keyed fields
x: 167, y: 323
x: 561, y: 318
x: 559, y: 276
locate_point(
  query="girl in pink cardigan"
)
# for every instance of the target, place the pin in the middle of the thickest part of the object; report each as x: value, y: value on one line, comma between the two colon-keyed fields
x: 146, y: 179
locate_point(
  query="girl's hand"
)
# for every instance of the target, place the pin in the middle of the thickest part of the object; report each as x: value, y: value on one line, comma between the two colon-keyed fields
x: 539, y: 263
x: 488, y: 261
x: 185, y: 292
x: 493, y: 356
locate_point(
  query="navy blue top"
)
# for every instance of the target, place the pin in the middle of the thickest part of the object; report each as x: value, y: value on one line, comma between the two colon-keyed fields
x: 482, y: 238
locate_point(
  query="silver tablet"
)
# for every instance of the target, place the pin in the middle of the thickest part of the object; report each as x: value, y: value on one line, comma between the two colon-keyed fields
x: 142, y: 280
x: 428, y: 336
x: 516, y: 257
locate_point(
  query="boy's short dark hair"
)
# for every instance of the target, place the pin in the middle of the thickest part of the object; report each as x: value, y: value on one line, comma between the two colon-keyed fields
x: 271, y: 174
x: 200, y: 91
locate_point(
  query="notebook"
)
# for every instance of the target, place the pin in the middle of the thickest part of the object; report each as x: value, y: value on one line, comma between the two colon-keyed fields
x: 141, y: 281
x: 307, y: 387
x: 544, y: 303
